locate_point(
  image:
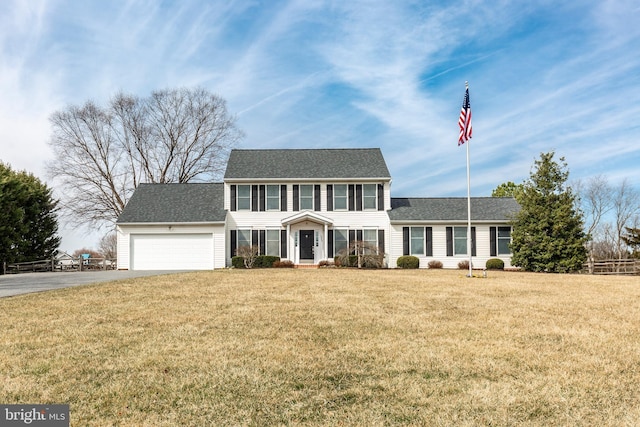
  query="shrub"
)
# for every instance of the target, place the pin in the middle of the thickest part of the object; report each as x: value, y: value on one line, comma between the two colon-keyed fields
x: 434, y: 264
x: 495, y: 264
x: 346, y: 260
x: 463, y: 265
x: 248, y: 254
x: 408, y: 261
x: 237, y: 262
x: 265, y: 261
x: 326, y: 263
x: 283, y: 264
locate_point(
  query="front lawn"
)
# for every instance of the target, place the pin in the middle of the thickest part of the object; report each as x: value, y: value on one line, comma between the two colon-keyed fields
x: 330, y: 347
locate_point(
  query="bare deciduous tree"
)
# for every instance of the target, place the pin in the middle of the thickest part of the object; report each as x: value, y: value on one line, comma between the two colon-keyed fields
x: 103, y: 153
x: 108, y: 245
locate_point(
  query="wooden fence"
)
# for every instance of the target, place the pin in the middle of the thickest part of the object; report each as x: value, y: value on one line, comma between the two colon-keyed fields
x: 613, y: 266
x: 66, y: 264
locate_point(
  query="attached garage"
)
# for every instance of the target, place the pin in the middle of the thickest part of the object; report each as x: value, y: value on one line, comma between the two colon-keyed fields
x: 171, y: 252
x: 173, y: 227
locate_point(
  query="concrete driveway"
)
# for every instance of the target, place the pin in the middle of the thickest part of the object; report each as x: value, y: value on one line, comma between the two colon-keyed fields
x: 25, y: 283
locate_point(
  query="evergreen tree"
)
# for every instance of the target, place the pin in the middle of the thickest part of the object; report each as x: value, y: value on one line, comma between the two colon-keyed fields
x: 548, y: 232
x: 508, y: 189
x: 28, y: 223
x: 632, y: 238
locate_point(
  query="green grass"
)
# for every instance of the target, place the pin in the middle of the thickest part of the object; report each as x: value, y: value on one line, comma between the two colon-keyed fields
x: 330, y: 347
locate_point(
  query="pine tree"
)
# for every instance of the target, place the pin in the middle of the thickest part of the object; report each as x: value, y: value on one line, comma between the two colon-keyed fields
x: 28, y: 223
x: 548, y: 231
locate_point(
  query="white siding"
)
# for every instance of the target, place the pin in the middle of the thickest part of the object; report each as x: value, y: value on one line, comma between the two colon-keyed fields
x: 483, y: 249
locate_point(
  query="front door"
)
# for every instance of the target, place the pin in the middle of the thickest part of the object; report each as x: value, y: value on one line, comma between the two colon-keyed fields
x: 306, y: 244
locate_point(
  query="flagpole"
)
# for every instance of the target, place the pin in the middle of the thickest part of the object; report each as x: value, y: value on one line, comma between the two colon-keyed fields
x: 469, y: 241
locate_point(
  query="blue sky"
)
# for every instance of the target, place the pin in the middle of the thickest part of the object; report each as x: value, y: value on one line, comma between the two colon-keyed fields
x: 543, y: 75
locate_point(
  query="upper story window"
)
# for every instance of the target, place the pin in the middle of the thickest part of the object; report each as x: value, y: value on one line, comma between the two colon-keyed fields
x: 243, y: 199
x: 273, y: 197
x: 306, y: 197
x: 369, y: 196
x: 340, y: 197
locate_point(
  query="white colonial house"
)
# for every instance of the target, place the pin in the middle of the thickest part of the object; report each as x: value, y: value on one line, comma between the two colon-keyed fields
x: 304, y: 205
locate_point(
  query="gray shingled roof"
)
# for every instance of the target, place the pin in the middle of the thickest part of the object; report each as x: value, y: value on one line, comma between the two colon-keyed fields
x: 307, y: 164
x: 175, y: 203
x: 452, y: 209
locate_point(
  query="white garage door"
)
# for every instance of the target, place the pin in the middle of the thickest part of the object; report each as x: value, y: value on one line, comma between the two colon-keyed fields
x: 171, y: 252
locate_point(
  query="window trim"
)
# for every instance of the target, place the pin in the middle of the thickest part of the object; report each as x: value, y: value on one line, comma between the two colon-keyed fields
x: 341, y: 197
x: 239, y: 197
x: 276, y: 197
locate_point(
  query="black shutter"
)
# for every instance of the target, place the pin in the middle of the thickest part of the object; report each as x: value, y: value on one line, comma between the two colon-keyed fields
x: 359, y: 235
x: 405, y: 240
x: 358, y: 197
x: 283, y: 198
x: 329, y: 197
x: 473, y: 241
x: 283, y: 243
x: 352, y: 197
x: 381, y: 242
x: 254, y: 238
x: 428, y: 234
x: 233, y: 198
x: 352, y: 237
x: 380, y: 197
x: 263, y: 241
x: 296, y: 197
x: 449, y: 241
x: 330, y: 243
x: 233, y: 242
x: 262, y: 204
x: 493, y: 241
x: 316, y: 197
x: 254, y: 198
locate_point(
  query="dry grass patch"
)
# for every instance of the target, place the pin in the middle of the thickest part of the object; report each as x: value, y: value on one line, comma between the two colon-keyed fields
x: 330, y: 347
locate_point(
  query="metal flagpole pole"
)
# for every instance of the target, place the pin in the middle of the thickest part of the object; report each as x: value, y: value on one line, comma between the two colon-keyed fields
x: 469, y: 241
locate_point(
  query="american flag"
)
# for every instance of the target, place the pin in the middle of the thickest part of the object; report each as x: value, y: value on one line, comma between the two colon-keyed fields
x: 465, y: 120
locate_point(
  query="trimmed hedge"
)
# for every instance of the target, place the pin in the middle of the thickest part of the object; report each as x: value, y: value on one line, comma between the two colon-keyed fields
x: 408, y: 261
x: 237, y: 262
x: 495, y: 264
x: 261, y: 261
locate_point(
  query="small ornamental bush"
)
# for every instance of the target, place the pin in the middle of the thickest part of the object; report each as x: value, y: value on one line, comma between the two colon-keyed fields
x: 283, y: 264
x: 237, y: 262
x: 408, y: 261
x: 495, y: 264
x: 326, y: 263
x: 463, y: 265
x: 434, y: 264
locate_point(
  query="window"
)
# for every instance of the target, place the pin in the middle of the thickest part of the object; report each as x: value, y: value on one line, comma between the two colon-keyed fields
x: 273, y: 242
x: 460, y: 240
x: 417, y: 240
x: 504, y: 239
x: 306, y: 197
x: 244, y: 197
x: 340, y: 197
x: 370, y: 238
x: 340, y: 240
x: 370, y: 195
x: 244, y: 238
x: 273, y: 197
